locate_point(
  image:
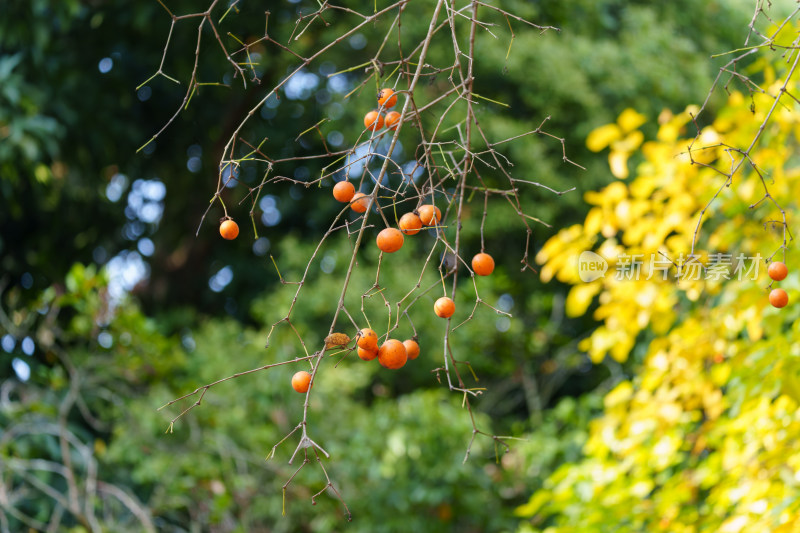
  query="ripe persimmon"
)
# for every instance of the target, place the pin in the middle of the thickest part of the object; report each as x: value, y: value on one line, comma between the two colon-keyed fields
x: 430, y: 215
x: 444, y: 307
x: 229, y: 229
x: 367, y: 339
x: 359, y: 202
x: 392, y: 119
x: 390, y: 240
x: 301, y: 381
x: 778, y: 298
x: 392, y: 354
x: 777, y: 270
x: 367, y: 355
x: 410, y: 224
x: 373, y: 120
x: 483, y: 264
x: 387, y: 98
x: 344, y: 191
x: 412, y: 348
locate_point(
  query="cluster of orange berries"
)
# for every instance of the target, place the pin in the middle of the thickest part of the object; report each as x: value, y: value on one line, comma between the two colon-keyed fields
x: 344, y: 191
x: 374, y: 121
x: 392, y: 354
x: 390, y: 240
x: 778, y: 272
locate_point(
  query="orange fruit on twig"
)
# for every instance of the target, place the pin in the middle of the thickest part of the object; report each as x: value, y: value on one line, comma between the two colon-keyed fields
x: 367, y: 339
x: 229, y: 229
x: 778, y: 298
x: 367, y: 355
x: 301, y: 381
x: 392, y: 120
x: 373, y: 120
x: 444, y: 307
x: 412, y: 348
x: 392, y: 354
x: 360, y: 202
x: 777, y: 271
x: 389, y: 240
x: 410, y: 224
x: 483, y: 264
x: 344, y: 191
x: 429, y: 215
x: 387, y: 98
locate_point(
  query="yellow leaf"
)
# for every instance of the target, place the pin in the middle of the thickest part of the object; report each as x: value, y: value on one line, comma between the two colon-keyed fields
x: 594, y: 221
x: 618, y: 161
x: 630, y: 119
x: 580, y: 296
x: 629, y: 143
x: 536, y: 502
x: 618, y: 395
x: 601, y: 137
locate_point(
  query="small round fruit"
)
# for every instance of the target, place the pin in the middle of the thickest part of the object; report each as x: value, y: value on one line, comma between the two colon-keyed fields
x: 410, y: 224
x: 390, y: 240
x: 444, y: 307
x: 301, y: 381
x: 373, y: 120
x: 483, y: 264
x: 360, y: 202
x: 229, y: 229
x: 392, y: 354
x: 777, y: 270
x: 412, y: 348
x: 392, y: 120
x: 387, y: 98
x: 344, y: 191
x: 778, y: 298
x: 429, y: 215
x: 367, y: 339
x: 367, y: 355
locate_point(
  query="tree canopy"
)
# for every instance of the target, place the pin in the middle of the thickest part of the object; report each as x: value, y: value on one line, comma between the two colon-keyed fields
x: 541, y: 130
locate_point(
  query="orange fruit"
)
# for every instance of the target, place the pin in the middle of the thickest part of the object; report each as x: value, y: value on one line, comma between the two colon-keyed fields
x: 410, y: 224
x: 444, y: 307
x: 367, y: 339
x: 344, y: 191
x: 390, y: 240
x: 229, y: 229
x: 367, y: 355
x: 777, y: 270
x: 392, y: 119
x: 301, y: 381
x: 429, y: 215
x: 392, y: 354
x: 387, y: 98
x: 412, y: 348
x: 483, y: 264
x: 359, y: 202
x: 373, y: 120
x: 778, y: 298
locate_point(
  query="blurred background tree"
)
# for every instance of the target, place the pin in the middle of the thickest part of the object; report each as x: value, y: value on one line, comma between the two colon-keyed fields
x: 112, y: 306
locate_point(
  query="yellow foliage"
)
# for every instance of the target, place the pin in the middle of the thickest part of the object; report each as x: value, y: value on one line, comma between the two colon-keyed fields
x: 706, y: 435
x: 603, y: 136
